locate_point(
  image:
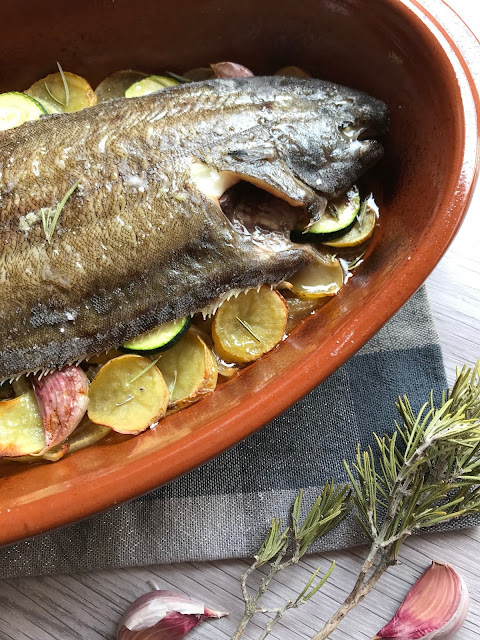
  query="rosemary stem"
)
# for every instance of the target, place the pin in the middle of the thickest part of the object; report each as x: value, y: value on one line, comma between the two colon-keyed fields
x: 244, y: 579
x: 361, y: 589
x: 273, y: 621
x: 251, y: 603
x: 250, y: 610
x: 363, y: 586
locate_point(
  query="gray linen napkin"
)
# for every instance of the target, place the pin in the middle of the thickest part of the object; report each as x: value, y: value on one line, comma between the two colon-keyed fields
x: 222, y: 510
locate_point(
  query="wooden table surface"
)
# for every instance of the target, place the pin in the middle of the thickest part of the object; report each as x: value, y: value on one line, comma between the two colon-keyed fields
x: 88, y: 606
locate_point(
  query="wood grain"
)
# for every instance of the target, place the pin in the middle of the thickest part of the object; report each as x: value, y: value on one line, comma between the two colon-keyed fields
x: 89, y: 606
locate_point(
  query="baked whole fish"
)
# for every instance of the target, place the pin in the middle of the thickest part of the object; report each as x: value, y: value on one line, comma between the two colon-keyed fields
x: 142, y: 239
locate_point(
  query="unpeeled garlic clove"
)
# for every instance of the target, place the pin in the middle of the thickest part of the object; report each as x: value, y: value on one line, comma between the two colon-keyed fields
x: 435, y: 607
x: 62, y: 398
x: 230, y: 70
x: 163, y: 615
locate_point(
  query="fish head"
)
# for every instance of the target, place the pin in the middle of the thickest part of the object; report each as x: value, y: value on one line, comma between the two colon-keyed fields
x: 304, y: 140
x: 335, y: 137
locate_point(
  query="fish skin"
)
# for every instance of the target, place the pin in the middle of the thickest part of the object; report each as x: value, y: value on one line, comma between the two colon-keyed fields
x: 137, y: 243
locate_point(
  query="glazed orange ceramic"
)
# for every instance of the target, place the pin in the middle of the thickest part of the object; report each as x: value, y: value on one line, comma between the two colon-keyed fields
x: 420, y: 61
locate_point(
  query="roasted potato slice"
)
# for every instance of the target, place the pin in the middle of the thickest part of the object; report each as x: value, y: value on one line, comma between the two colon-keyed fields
x: 293, y: 71
x: 226, y: 370
x: 51, y: 91
x: 190, y: 370
x: 300, y: 308
x: 199, y: 73
x: 21, y: 426
x: 86, y: 434
x: 128, y: 395
x: 211, y: 381
x: 322, y: 277
x: 246, y: 327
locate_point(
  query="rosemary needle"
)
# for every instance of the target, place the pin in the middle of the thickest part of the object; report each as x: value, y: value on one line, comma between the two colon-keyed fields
x: 51, y: 215
x: 246, y: 326
x: 139, y: 375
x: 120, y: 404
x: 57, y: 100
x: 175, y: 76
x: 65, y: 86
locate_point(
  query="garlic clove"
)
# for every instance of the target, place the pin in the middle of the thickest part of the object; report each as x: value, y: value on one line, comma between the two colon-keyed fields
x: 230, y: 70
x: 163, y: 615
x: 434, y: 609
x: 62, y: 398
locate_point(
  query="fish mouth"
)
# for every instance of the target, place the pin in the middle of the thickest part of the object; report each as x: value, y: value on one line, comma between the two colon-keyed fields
x: 261, y: 216
x: 256, y: 210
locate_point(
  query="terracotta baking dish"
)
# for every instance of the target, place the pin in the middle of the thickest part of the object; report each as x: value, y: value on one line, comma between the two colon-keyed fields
x: 413, y: 59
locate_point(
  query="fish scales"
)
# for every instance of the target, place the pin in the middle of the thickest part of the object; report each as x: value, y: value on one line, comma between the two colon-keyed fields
x: 138, y: 242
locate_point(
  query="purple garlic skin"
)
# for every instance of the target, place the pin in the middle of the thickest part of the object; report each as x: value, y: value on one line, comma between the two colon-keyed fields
x: 231, y: 70
x: 62, y: 398
x: 434, y: 609
x: 163, y: 615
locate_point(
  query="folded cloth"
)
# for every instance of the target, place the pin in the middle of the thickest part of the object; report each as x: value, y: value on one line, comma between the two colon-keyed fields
x: 222, y: 510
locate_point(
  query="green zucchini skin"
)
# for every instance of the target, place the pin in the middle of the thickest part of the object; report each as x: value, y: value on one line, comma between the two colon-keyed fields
x: 340, y: 216
x: 299, y: 236
x: 17, y: 108
x: 135, y: 345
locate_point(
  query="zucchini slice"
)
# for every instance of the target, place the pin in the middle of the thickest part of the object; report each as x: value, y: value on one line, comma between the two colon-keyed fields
x: 16, y: 108
x: 149, y: 85
x: 361, y: 230
x: 159, y: 339
x: 49, y: 107
x: 339, y: 217
x: 114, y: 86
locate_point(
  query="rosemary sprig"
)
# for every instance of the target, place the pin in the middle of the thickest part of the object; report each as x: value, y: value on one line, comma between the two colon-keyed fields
x: 428, y: 472
x: 248, y: 328
x: 425, y: 474
x: 50, y: 215
x: 329, y: 510
x: 65, y: 86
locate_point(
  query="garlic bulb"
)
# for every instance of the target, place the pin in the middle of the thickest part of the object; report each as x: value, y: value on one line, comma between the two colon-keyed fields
x: 435, y: 607
x: 163, y: 615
